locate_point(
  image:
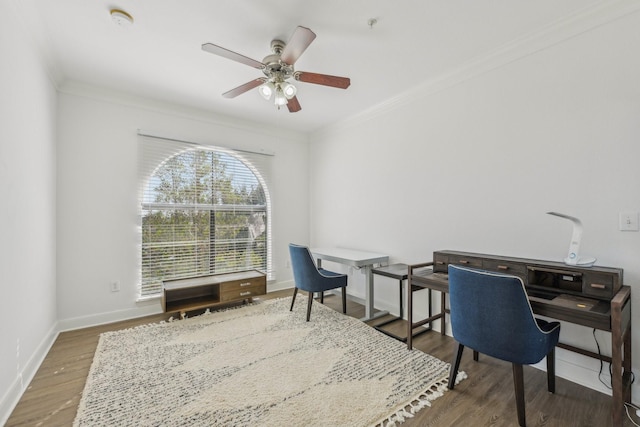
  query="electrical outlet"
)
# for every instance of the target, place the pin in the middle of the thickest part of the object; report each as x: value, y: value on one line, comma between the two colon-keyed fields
x: 628, y: 221
x: 115, y: 286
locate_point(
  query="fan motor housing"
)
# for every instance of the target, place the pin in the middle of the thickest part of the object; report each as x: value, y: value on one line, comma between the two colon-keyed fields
x: 273, y: 65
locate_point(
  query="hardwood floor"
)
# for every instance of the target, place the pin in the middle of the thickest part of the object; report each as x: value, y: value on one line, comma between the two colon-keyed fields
x: 485, y: 398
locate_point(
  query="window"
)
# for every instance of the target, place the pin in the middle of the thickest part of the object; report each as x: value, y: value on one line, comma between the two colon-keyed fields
x: 204, y: 210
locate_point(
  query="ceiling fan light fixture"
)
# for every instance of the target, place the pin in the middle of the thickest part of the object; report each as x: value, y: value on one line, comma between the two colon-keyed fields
x: 289, y: 90
x: 266, y: 90
x: 280, y: 98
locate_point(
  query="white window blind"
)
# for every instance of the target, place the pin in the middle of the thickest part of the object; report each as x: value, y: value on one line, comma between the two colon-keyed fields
x: 204, y: 210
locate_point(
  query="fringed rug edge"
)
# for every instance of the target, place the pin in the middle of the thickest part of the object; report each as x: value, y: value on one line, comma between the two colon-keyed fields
x: 408, y: 410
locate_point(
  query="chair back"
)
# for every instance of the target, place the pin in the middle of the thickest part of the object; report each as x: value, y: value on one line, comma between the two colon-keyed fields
x: 305, y: 272
x: 491, y: 313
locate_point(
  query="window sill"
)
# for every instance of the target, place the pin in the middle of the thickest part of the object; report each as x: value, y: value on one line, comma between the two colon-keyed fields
x: 149, y: 298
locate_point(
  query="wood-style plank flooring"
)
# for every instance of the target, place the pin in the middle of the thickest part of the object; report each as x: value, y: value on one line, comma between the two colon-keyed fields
x: 484, y: 399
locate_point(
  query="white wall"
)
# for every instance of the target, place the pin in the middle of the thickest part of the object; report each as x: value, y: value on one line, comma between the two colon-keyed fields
x: 97, y: 191
x: 472, y: 167
x: 475, y: 165
x: 27, y: 209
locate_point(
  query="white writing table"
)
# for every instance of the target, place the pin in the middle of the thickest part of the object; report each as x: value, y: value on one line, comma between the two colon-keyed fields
x: 358, y: 259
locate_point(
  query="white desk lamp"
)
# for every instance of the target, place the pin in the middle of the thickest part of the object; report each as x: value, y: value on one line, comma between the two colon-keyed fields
x: 573, y: 257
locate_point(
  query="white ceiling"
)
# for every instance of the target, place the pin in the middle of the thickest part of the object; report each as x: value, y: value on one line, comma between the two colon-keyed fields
x: 160, y: 56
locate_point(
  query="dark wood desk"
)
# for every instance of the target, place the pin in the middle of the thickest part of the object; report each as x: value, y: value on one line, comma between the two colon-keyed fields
x: 561, y: 301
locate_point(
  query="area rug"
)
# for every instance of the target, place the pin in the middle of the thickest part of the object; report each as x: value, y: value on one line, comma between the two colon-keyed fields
x: 258, y: 365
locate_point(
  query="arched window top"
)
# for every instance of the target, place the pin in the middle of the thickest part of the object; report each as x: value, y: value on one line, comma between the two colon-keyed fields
x: 205, y: 176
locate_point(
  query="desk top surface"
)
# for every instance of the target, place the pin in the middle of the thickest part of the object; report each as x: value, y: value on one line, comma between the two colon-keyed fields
x: 399, y: 271
x: 396, y: 271
x: 354, y: 257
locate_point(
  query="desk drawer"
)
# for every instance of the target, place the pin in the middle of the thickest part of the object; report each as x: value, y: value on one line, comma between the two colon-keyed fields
x: 598, y: 285
x: 465, y: 261
x: 499, y: 266
x: 441, y: 262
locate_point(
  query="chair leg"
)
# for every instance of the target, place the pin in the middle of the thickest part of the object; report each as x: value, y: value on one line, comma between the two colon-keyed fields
x: 344, y: 299
x: 455, y: 364
x: 518, y: 382
x: 321, y: 297
x: 295, y: 292
x: 551, y: 371
x: 309, y: 305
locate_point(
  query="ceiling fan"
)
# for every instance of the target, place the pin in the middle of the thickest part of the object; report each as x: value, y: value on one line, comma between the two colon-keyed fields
x: 278, y: 69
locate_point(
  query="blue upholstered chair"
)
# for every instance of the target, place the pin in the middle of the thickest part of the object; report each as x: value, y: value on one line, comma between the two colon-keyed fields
x: 312, y: 279
x: 491, y: 314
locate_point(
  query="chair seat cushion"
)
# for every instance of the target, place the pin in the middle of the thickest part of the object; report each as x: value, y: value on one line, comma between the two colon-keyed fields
x: 330, y: 273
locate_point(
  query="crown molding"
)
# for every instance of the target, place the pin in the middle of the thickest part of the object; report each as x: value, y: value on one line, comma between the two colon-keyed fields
x: 113, y: 96
x: 544, y: 38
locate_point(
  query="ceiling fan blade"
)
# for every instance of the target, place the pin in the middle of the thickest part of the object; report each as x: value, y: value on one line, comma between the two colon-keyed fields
x: 293, y: 105
x: 323, y: 79
x: 244, y: 88
x: 226, y: 53
x: 299, y: 42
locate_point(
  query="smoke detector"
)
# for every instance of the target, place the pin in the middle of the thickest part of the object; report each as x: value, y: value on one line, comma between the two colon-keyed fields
x: 121, y: 17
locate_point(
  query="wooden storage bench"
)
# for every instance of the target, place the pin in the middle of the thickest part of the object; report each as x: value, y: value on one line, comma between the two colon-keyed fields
x: 197, y: 293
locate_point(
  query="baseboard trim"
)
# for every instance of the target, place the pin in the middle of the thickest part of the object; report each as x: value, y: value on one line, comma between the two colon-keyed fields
x: 280, y: 286
x: 576, y: 368
x: 25, y: 375
x: 106, y: 318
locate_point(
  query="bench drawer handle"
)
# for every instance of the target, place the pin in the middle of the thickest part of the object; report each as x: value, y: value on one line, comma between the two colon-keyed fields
x: 598, y: 286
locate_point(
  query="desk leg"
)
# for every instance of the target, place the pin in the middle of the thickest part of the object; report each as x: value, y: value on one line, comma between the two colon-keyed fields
x: 410, y: 315
x: 368, y: 296
x: 443, y: 310
x: 430, y: 306
x: 401, y: 301
x: 616, y: 381
x: 620, y: 363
